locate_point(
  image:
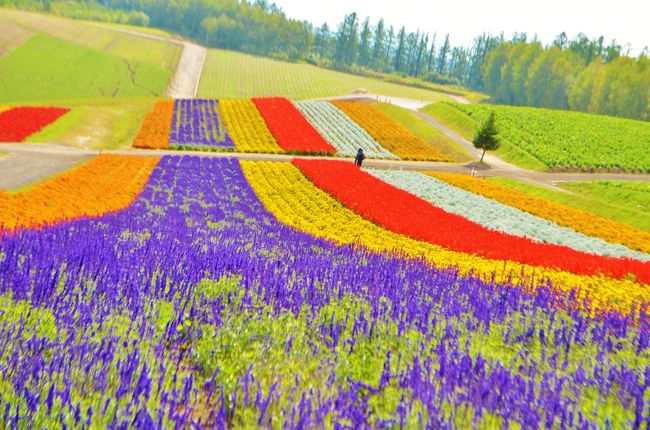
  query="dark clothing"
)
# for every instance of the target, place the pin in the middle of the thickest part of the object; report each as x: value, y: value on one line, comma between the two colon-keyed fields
x: 358, y: 160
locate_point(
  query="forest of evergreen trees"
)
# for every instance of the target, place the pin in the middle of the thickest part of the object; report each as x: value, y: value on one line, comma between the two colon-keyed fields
x: 579, y: 74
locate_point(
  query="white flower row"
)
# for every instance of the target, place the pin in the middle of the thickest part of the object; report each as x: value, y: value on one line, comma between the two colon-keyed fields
x: 497, y: 216
x: 341, y: 131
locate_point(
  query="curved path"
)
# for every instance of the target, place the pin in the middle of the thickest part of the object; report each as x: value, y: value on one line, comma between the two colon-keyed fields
x: 24, y: 163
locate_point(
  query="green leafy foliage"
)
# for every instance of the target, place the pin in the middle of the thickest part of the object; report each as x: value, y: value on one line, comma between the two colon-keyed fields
x: 486, y: 136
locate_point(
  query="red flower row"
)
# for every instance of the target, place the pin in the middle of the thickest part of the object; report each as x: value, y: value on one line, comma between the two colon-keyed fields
x: 290, y: 129
x: 404, y: 213
x: 19, y: 123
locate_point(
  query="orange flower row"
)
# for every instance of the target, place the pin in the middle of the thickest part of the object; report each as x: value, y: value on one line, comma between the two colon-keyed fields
x: 106, y: 184
x: 156, y: 127
x: 576, y: 219
x: 388, y: 133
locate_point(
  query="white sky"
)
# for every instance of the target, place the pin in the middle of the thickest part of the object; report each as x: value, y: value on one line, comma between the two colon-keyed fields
x: 627, y: 21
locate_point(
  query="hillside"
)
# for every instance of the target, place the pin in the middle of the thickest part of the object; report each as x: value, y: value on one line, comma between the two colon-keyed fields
x: 237, y: 75
x: 17, y: 27
x: 555, y: 139
x: 45, y: 67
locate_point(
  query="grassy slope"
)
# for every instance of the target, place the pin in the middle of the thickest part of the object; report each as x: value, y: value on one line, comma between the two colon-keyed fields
x: 236, y: 75
x: 50, y: 68
x: 425, y: 132
x: 624, y: 202
x: 97, y: 124
x: 18, y: 26
x: 466, y: 127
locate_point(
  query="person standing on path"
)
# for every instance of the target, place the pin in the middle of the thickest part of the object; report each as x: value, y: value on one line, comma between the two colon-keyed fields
x: 358, y: 160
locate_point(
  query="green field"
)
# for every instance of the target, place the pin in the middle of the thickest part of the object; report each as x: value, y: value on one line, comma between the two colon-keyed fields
x: 96, y: 124
x: 559, y: 140
x: 17, y: 27
x: 425, y: 132
x: 46, y: 68
x: 236, y: 75
x: 626, y: 202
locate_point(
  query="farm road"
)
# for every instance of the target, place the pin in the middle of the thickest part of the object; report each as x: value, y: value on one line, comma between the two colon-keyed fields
x: 27, y: 163
x: 185, y: 82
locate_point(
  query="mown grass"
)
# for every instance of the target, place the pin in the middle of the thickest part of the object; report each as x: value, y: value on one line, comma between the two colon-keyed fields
x: 625, y: 202
x: 96, y: 124
x: 425, y: 132
x: 236, y: 75
x: 50, y: 68
x: 18, y: 26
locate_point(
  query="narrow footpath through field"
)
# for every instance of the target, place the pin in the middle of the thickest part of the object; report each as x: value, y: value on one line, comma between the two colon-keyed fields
x: 23, y: 164
x: 185, y: 82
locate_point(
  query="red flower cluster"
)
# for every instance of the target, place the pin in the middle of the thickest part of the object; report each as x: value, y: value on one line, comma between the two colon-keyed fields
x: 19, y: 123
x: 404, y: 213
x: 290, y: 129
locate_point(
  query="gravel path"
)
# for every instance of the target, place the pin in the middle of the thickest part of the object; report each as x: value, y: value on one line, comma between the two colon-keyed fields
x: 23, y: 168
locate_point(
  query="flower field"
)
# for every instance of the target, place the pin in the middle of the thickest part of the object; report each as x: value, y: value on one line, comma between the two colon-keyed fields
x: 198, y: 123
x: 276, y: 125
x: 220, y: 293
x: 156, y: 127
x: 17, y: 124
x: 200, y: 292
x: 247, y: 127
x: 396, y: 209
x: 576, y: 219
x: 290, y: 129
x: 388, y: 133
x: 340, y: 131
x: 497, y: 216
x: 106, y: 184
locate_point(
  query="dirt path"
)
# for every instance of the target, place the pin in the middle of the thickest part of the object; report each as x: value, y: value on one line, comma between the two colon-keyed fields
x: 27, y: 163
x: 23, y: 168
x: 185, y: 82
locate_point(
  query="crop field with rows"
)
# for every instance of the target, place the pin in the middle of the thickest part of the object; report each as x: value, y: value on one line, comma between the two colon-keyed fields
x: 555, y: 139
x: 229, y: 74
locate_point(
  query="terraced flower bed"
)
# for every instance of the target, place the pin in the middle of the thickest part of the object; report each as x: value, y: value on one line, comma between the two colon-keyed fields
x: 276, y: 125
x: 209, y: 292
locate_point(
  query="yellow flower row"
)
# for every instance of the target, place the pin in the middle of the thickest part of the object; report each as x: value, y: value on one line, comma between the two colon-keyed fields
x: 388, y: 133
x: 576, y: 219
x: 247, y: 127
x: 297, y: 202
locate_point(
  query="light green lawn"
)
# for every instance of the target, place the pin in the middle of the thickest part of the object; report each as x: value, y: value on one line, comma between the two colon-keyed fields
x: 425, y: 132
x: 48, y: 68
x: 625, y: 202
x: 236, y: 75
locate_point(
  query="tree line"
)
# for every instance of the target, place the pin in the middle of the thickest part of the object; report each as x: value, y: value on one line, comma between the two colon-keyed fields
x: 579, y: 74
